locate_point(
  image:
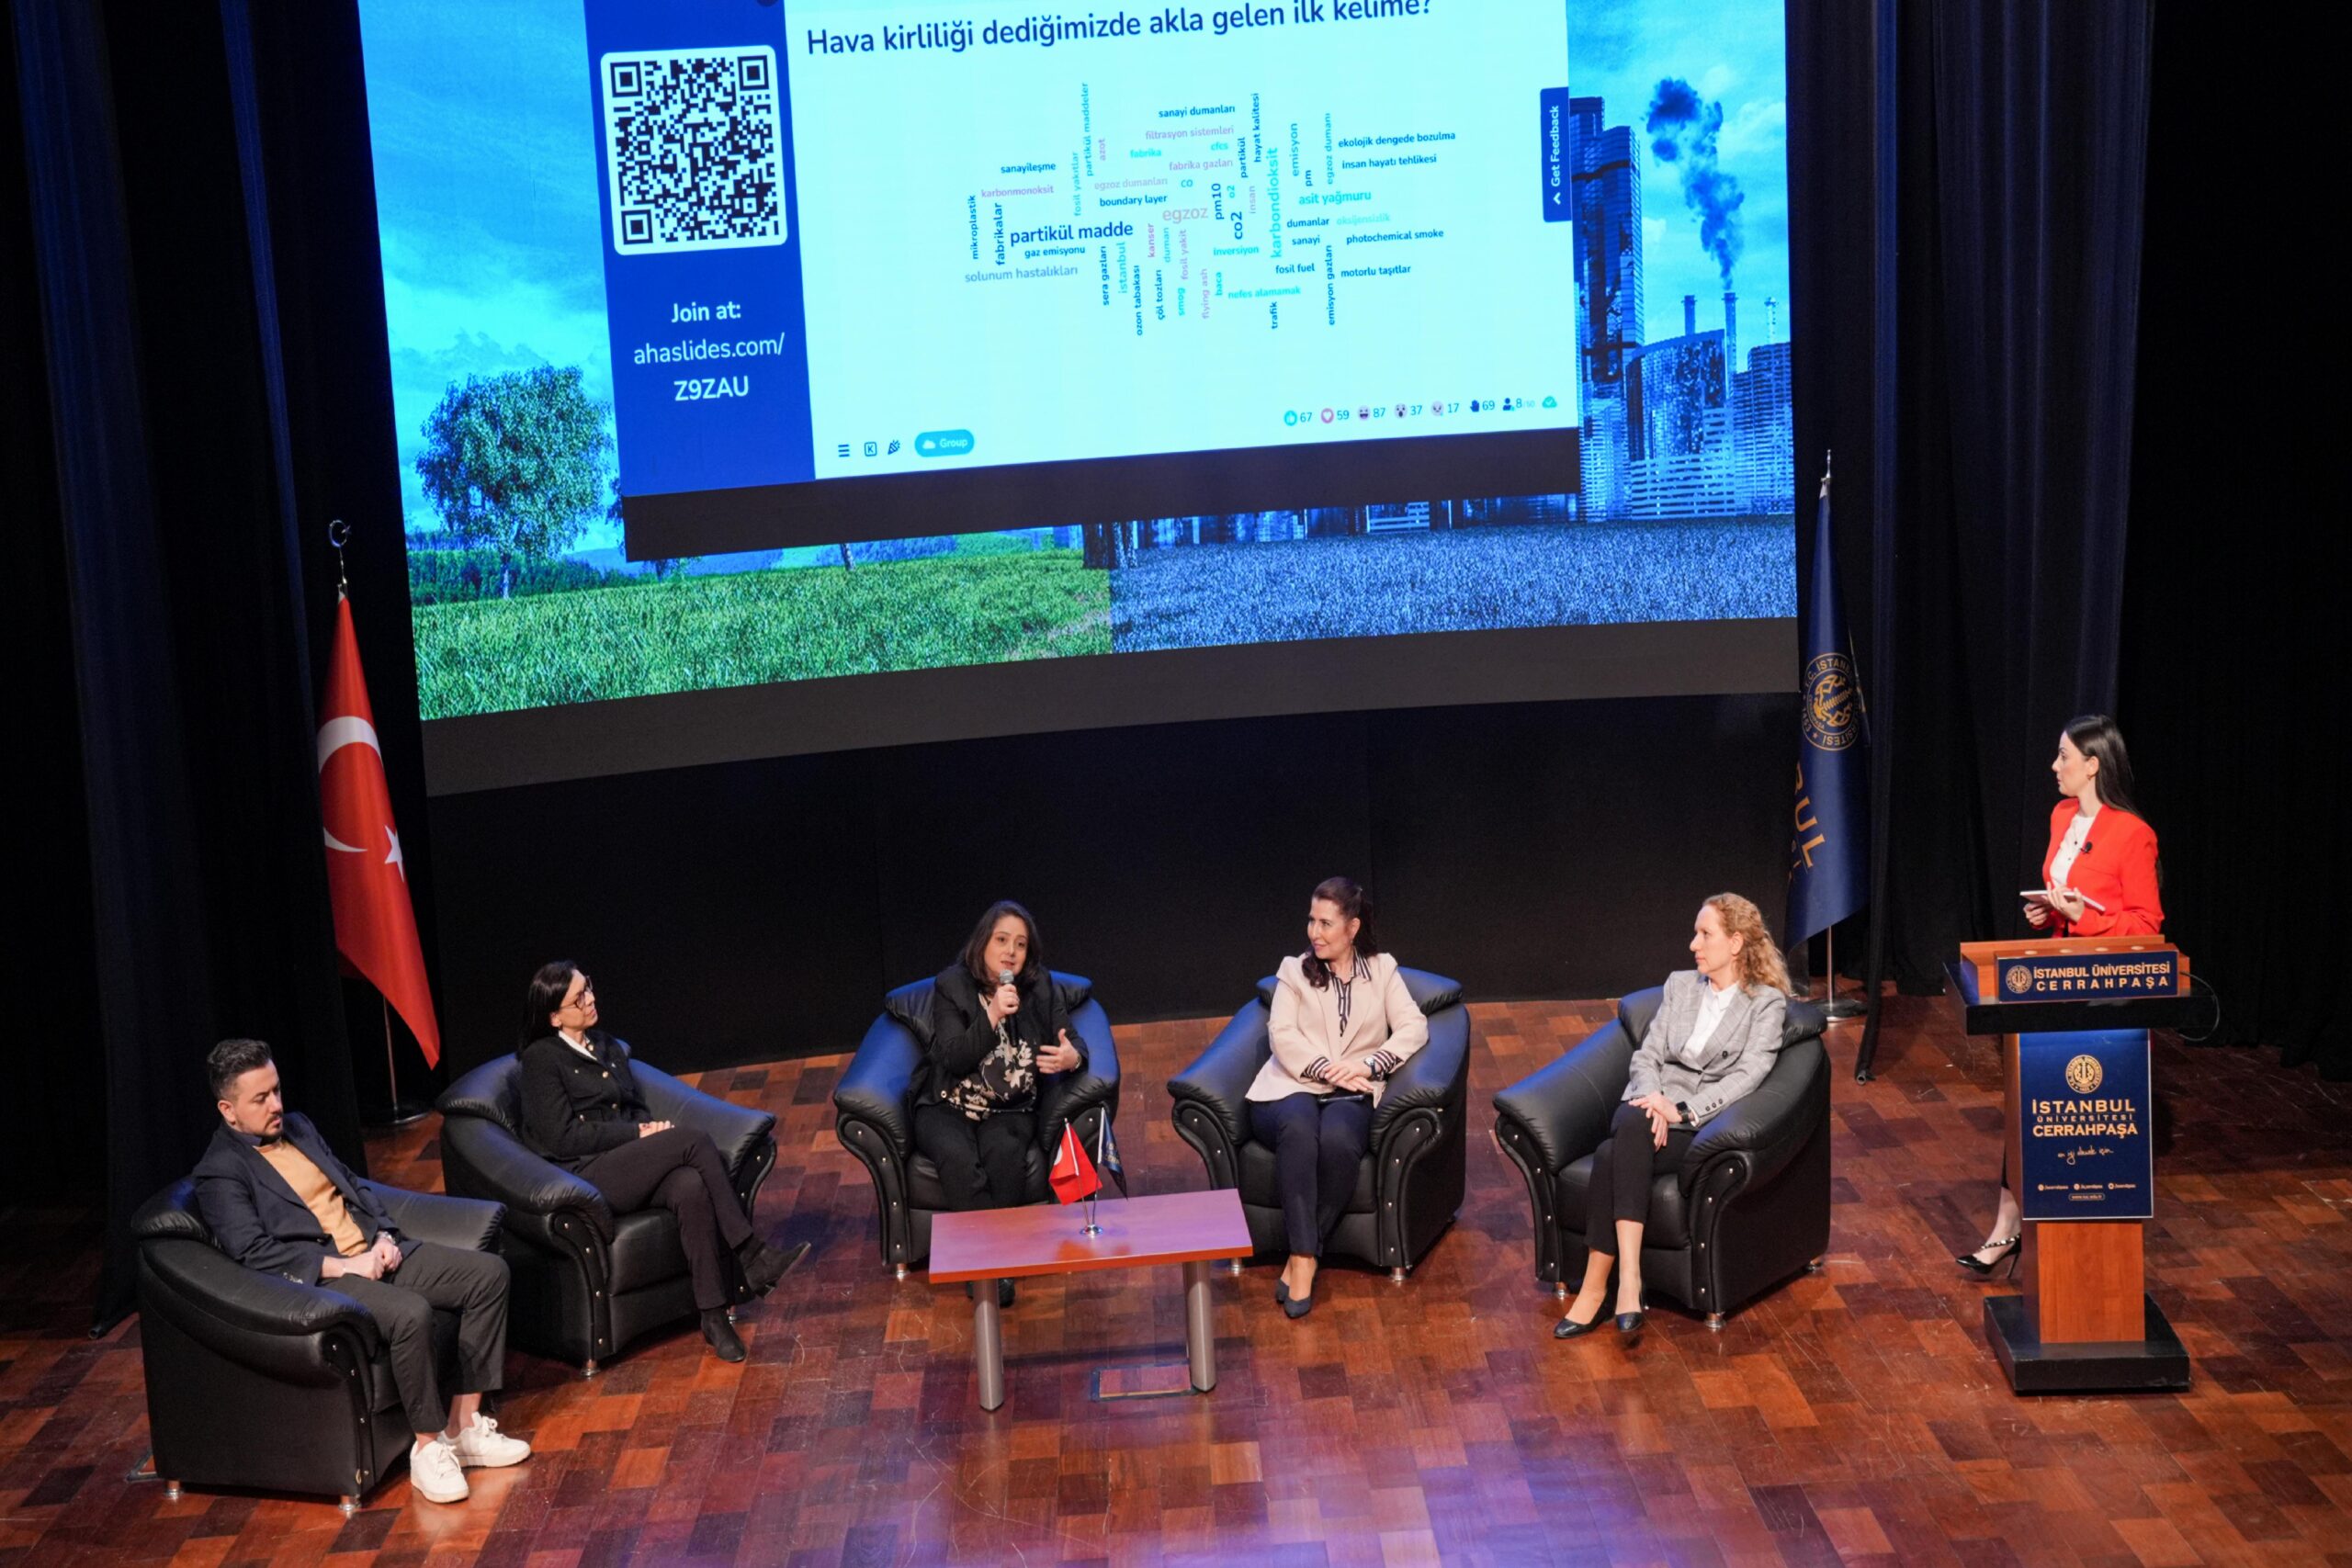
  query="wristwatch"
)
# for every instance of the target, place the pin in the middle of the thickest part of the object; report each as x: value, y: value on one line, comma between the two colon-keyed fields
x: 1682, y: 1108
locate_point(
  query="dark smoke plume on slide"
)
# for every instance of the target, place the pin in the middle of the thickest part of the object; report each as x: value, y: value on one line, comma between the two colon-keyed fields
x: 1682, y: 128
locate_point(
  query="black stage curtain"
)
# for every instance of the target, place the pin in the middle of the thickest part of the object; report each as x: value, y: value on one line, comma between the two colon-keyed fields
x: 2007, y: 144
x: 2021, y: 133
x: 2227, y: 646
x: 2019, y: 229
x: 191, y: 891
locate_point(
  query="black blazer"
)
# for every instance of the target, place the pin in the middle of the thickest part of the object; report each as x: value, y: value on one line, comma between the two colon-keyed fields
x: 961, y: 1034
x: 257, y: 1219
x: 574, y: 1110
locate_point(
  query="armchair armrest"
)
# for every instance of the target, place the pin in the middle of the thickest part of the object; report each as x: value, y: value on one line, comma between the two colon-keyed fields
x: 737, y: 1130
x: 1563, y: 1110
x: 473, y: 1223
x: 1767, y: 1126
x: 1426, y: 1080
x: 873, y: 1087
x: 1219, y: 1080
x: 264, y: 1322
x: 1064, y: 1097
x: 486, y: 1160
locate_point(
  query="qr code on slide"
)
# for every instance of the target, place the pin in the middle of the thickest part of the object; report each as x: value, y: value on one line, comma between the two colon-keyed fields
x: 696, y: 149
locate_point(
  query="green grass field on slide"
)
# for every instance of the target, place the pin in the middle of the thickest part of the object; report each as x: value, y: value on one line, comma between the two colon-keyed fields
x: 694, y: 632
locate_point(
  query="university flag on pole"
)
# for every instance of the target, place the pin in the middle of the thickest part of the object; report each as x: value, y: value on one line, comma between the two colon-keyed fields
x: 374, y: 924
x: 1830, y: 852
x: 1073, y: 1175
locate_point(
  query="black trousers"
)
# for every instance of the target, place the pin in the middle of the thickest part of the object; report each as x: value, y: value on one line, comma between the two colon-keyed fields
x: 982, y: 1163
x: 681, y: 1171
x: 1319, y: 1141
x: 1623, y: 1169
x: 473, y: 1285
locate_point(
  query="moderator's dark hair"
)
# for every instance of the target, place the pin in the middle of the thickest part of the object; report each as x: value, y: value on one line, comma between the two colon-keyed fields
x: 545, y: 996
x: 2095, y: 735
x: 232, y: 1059
x: 976, y: 947
x: 1355, y: 904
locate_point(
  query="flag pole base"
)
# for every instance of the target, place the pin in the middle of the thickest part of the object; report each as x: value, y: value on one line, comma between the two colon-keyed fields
x: 401, y: 1114
x: 1844, y: 1011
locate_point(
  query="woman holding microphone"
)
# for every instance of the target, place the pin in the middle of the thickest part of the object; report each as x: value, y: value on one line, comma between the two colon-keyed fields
x: 997, y: 1021
x: 2098, y: 878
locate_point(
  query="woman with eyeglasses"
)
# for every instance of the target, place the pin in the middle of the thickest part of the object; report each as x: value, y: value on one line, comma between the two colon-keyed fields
x: 997, y: 1021
x: 582, y: 1111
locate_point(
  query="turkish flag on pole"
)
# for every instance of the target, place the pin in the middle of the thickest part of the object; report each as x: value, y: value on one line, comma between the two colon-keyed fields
x: 375, y: 925
x: 1073, y: 1174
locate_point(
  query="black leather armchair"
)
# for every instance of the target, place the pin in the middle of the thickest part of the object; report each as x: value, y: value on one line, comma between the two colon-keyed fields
x: 1749, y: 1208
x: 875, y: 1123
x: 587, y: 1281
x: 1410, y: 1184
x: 255, y: 1381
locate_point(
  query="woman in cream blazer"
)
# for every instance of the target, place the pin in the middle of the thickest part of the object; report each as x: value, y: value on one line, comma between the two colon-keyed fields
x: 1343, y: 1022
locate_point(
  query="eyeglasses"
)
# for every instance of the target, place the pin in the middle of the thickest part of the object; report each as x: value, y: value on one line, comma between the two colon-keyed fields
x: 587, y: 993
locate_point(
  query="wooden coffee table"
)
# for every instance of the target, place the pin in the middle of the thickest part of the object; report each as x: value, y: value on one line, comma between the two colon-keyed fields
x: 983, y: 1245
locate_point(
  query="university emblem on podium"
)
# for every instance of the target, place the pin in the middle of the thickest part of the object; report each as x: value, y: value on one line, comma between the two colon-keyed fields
x: 2083, y: 1073
x: 1832, y: 710
x: 2018, y: 977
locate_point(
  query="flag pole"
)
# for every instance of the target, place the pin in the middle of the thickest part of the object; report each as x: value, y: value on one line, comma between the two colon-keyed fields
x: 398, y: 1112
x: 401, y: 1112
x: 1835, y: 1011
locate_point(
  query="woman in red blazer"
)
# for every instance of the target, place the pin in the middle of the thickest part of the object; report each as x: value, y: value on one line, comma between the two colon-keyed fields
x: 2098, y: 878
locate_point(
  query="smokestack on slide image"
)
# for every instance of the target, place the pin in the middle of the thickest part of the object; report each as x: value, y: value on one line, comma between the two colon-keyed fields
x: 1731, y: 333
x: 1689, y: 315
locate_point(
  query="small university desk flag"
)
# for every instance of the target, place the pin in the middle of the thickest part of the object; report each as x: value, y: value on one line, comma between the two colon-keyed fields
x: 1073, y: 1176
x: 1106, y: 1152
x: 374, y: 924
x: 1830, y: 852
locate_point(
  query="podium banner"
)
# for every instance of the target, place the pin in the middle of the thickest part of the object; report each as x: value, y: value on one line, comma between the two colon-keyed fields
x: 2061, y: 976
x: 2086, y: 1102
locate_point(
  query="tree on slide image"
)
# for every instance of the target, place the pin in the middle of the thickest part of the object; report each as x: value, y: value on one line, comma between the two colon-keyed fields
x: 516, y: 462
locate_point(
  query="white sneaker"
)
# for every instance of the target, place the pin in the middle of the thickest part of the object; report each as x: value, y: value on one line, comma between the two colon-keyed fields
x: 483, y: 1447
x: 433, y: 1472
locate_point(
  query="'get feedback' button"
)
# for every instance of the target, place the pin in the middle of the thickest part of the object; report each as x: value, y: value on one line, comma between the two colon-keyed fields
x: 944, y: 444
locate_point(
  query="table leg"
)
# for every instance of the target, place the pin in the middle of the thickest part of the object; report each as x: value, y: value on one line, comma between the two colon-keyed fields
x: 987, y: 1343
x: 1200, y: 1328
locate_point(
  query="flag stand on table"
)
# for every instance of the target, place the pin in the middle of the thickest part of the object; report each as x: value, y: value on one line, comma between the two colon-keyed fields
x: 1830, y: 852
x: 375, y: 922
x: 1073, y: 1176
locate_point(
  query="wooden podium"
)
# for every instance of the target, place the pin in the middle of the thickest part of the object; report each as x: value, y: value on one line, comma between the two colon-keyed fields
x: 2072, y: 1014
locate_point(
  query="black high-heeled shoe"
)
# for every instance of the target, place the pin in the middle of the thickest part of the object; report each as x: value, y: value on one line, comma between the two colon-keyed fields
x: 1569, y: 1328
x: 1630, y: 1321
x: 1282, y: 1292
x: 2006, y: 1250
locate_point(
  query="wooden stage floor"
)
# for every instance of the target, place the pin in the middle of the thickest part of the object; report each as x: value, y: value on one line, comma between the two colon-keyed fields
x: 1855, y: 1416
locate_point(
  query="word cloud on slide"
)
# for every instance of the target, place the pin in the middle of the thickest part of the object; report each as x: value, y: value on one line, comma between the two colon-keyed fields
x: 851, y: 238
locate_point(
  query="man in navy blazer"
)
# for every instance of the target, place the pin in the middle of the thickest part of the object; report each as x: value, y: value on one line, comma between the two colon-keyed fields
x: 277, y: 1199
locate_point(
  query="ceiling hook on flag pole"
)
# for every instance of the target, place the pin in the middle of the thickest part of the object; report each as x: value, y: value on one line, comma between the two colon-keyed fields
x: 339, y: 534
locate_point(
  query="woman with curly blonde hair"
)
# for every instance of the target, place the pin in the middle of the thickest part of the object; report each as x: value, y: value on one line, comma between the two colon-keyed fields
x: 1716, y: 1031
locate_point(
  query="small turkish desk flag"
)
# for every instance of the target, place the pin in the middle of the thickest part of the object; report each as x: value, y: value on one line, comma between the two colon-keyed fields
x: 1073, y: 1175
x: 375, y: 925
